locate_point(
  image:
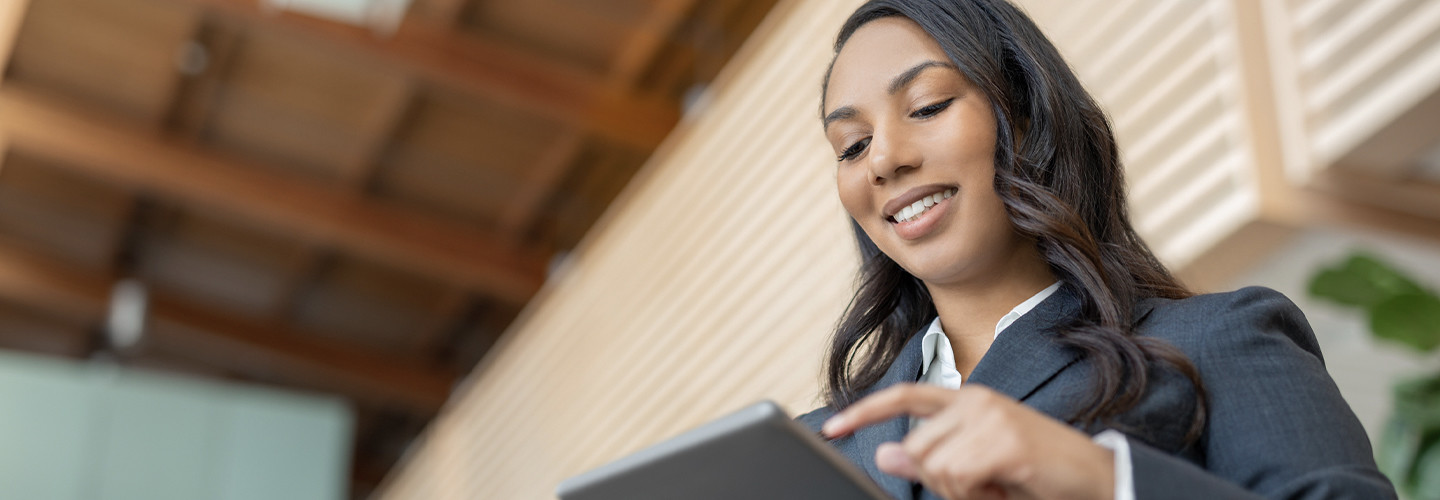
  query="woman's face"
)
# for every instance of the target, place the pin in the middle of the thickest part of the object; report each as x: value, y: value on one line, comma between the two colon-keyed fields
x: 908, y: 127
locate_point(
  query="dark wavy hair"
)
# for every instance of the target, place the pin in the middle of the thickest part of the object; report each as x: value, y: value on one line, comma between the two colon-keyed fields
x: 1058, y: 172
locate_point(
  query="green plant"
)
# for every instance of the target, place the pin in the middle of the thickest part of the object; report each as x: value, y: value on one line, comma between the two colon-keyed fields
x: 1399, y: 310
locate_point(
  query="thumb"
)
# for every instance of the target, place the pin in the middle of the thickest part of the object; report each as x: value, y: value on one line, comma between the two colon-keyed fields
x: 891, y: 458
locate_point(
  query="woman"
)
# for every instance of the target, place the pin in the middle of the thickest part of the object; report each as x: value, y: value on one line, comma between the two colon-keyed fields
x: 1007, y: 310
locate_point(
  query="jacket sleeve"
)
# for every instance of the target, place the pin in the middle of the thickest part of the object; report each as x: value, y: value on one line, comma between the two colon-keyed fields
x: 1277, y: 426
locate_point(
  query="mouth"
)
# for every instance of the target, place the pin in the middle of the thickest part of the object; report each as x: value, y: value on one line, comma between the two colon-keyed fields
x: 914, y: 211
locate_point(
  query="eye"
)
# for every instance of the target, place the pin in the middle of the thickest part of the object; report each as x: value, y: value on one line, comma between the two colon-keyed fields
x: 853, y: 150
x: 933, y: 109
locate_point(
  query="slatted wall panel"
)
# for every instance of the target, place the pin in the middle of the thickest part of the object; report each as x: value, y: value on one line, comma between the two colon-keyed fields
x: 712, y: 284
x: 1169, y: 75
x: 1347, y: 68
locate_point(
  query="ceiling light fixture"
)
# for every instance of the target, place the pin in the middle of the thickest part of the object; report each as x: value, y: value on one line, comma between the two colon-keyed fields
x: 382, y: 16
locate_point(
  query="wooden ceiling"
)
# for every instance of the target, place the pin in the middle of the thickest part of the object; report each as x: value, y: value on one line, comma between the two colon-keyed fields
x: 315, y: 205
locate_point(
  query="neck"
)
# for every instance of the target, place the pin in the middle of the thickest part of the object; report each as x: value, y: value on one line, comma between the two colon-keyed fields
x: 969, y: 310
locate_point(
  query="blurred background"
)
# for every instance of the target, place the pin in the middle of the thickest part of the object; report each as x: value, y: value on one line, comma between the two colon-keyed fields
x: 436, y: 249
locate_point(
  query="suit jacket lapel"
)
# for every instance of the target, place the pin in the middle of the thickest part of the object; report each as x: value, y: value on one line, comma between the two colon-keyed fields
x: 861, y: 446
x: 1026, y: 353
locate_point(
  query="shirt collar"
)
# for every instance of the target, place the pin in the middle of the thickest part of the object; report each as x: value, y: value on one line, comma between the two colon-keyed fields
x: 935, y: 346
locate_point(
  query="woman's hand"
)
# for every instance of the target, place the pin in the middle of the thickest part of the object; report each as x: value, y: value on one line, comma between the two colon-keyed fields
x: 977, y: 443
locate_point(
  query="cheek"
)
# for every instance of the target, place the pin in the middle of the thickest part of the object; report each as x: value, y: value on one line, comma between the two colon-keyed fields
x: 852, y: 193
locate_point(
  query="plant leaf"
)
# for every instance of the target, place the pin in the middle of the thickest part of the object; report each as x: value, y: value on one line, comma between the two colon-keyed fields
x: 1396, y: 452
x: 1412, y: 319
x: 1362, y: 281
x: 1427, y: 472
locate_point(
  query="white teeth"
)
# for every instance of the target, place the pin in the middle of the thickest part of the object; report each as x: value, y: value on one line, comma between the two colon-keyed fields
x: 914, y: 210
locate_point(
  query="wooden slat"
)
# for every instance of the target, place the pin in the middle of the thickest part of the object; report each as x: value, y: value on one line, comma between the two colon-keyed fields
x: 485, y: 68
x: 646, y: 42
x: 544, y: 178
x: 1265, y: 111
x: 11, y: 13
x: 37, y: 282
x: 451, y: 252
x: 399, y: 109
x: 442, y: 12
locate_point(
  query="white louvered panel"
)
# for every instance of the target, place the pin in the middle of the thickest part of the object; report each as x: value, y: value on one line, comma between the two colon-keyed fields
x: 1319, y: 14
x: 1139, y: 116
x: 1227, y: 209
x: 1181, y: 195
x: 1131, y: 44
x: 1169, y: 75
x: 1341, y: 74
x: 1354, y: 67
x: 1151, y: 64
x: 1350, y: 32
x: 1206, y: 106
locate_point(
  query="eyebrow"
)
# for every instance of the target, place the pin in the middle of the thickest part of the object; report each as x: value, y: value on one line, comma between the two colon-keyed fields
x: 903, y: 79
x: 896, y: 84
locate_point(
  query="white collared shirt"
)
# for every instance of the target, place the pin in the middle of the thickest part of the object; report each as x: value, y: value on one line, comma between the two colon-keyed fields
x: 936, y: 352
x: 935, y: 347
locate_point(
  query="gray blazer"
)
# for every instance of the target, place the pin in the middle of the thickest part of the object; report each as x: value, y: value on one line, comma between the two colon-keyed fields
x: 1276, y: 428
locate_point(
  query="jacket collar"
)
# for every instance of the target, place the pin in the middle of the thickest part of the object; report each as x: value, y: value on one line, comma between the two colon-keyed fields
x: 1026, y: 354
x: 1022, y: 359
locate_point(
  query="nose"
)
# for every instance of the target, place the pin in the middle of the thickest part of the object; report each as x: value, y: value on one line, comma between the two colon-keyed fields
x: 892, y: 155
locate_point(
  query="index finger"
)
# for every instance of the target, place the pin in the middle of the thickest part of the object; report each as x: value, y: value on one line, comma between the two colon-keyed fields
x: 904, y: 399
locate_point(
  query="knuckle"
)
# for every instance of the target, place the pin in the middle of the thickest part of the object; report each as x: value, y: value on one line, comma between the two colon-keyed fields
x: 920, y: 447
x: 934, y: 469
x: 955, y: 471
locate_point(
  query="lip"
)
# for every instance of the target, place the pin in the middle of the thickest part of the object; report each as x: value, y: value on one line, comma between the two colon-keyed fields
x: 894, y: 206
x: 927, y: 222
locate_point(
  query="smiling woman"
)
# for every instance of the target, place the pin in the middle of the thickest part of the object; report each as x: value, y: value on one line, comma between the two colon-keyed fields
x: 1009, y: 308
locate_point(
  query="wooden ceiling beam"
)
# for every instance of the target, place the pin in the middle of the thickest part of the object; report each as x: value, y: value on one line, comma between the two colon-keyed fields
x: 230, y: 341
x: 543, y: 179
x: 648, y: 39
x: 193, y: 96
x: 400, y: 108
x: 490, y: 70
x: 11, y: 13
x: 450, y: 252
x: 443, y: 12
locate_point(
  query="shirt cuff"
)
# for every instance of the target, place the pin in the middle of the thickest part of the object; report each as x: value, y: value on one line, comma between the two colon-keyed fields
x: 1124, y: 481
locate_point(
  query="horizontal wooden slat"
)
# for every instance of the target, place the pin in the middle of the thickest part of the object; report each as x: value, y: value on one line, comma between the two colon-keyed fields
x: 439, y: 53
x: 11, y: 13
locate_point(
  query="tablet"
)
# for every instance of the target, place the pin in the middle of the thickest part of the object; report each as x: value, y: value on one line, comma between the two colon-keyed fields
x: 755, y: 453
